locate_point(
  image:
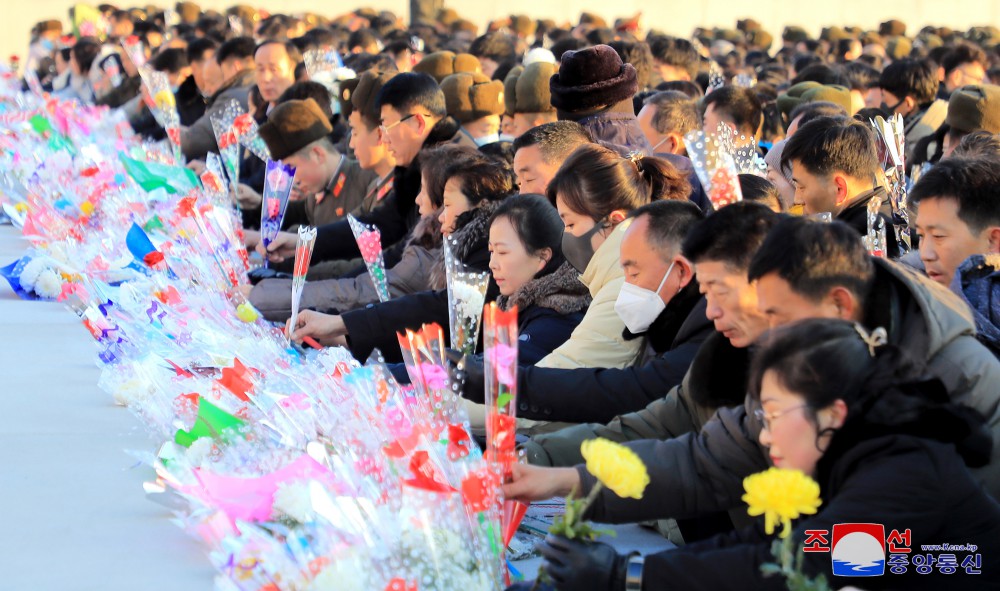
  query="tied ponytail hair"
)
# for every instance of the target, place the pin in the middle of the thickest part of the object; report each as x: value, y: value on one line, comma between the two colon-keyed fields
x: 595, y: 181
x: 665, y: 182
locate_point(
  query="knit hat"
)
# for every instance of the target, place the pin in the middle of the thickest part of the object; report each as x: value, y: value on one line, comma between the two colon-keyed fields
x: 293, y: 125
x: 526, y: 89
x: 345, y: 94
x: 892, y: 28
x: 539, y: 54
x: 773, y: 159
x: 898, y: 48
x: 189, y: 12
x: 471, y: 96
x: 975, y: 107
x: 591, y: 78
x: 794, y: 34
x: 441, y: 64
x: 830, y: 93
x: 369, y: 84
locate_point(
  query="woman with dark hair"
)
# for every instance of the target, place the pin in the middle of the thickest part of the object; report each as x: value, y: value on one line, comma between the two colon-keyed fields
x: 471, y: 193
x: 885, y: 447
x: 594, y: 191
x: 531, y: 273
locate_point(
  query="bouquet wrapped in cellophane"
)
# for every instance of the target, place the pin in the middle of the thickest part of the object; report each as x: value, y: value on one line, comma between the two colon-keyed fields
x: 370, y: 244
x: 466, y: 297
x: 298, y: 471
x: 278, y: 179
x: 891, y: 142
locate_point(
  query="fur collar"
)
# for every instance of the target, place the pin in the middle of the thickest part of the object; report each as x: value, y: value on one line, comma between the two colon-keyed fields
x: 718, y: 374
x: 560, y: 290
x: 471, y: 235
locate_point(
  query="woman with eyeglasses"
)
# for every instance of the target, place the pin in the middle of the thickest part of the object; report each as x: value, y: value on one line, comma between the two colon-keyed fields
x: 885, y: 447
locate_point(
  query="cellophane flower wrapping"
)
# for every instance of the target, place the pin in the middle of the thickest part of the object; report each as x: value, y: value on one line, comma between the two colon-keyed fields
x: 248, y: 135
x: 370, y: 244
x: 891, y: 143
x: 164, y: 108
x: 719, y: 158
x: 225, y: 137
x: 874, y: 238
x: 303, y: 254
x: 325, y: 66
x: 294, y: 471
x: 466, y: 297
x: 278, y: 180
x: 500, y: 340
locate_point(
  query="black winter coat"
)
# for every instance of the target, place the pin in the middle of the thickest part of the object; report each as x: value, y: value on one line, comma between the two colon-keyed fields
x: 598, y: 395
x: 397, y: 214
x: 375, y: 326
x: 900, y: 481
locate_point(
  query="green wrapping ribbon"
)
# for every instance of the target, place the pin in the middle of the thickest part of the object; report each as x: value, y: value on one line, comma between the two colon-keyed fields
x: 154, y: 175
x: 212, y: 422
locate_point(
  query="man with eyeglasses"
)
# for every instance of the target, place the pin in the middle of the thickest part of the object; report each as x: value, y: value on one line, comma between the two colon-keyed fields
x: 804, y: 269
x: 413, y: 117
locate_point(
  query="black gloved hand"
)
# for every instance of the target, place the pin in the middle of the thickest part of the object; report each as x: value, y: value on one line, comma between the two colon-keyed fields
x: 583, y: 566
x: 468, y: 371
x: 531, y: 586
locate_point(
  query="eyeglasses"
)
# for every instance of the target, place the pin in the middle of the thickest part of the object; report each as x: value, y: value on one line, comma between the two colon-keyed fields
x: 768, y: 418
x: 385, y: 128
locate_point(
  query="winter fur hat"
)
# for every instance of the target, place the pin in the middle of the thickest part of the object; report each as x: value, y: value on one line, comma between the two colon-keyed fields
x: 369, y: 83
x: 346, y: 94
x: 471, y: 96
x: 975, y: 107
x: 814, y: 93
x: 794, y: 34
x: 892, y: 28
x: 189, y: 12
x: 293, y: 125
x: 898, y: 48
x: 526, y: 90
x: 760, y: 38
x: 441, y: 64
x: 592, y: 78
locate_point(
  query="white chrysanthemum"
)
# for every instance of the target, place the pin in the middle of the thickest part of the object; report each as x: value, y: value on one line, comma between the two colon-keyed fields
x: 468, y: 299
x: 441, y: 560
x: 199, y: 451
x: 293, y: 501
x: 345, y: 573
x: 31, y: 271
x: 49, y: 284
x: 134, y: 392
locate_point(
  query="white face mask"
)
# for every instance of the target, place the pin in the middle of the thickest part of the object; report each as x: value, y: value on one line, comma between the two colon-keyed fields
x: 638, y: 307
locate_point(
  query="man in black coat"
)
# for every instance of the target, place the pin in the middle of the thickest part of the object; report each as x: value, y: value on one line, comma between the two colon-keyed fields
x: 834, y: 165
x: 660, y: 303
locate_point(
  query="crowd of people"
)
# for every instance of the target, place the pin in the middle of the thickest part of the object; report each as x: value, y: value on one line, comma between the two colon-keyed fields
x: 714, y: 342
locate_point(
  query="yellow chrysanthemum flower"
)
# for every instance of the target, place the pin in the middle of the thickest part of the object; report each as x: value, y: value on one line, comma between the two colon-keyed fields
x: 780, y: 495
x: 616, y: 467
